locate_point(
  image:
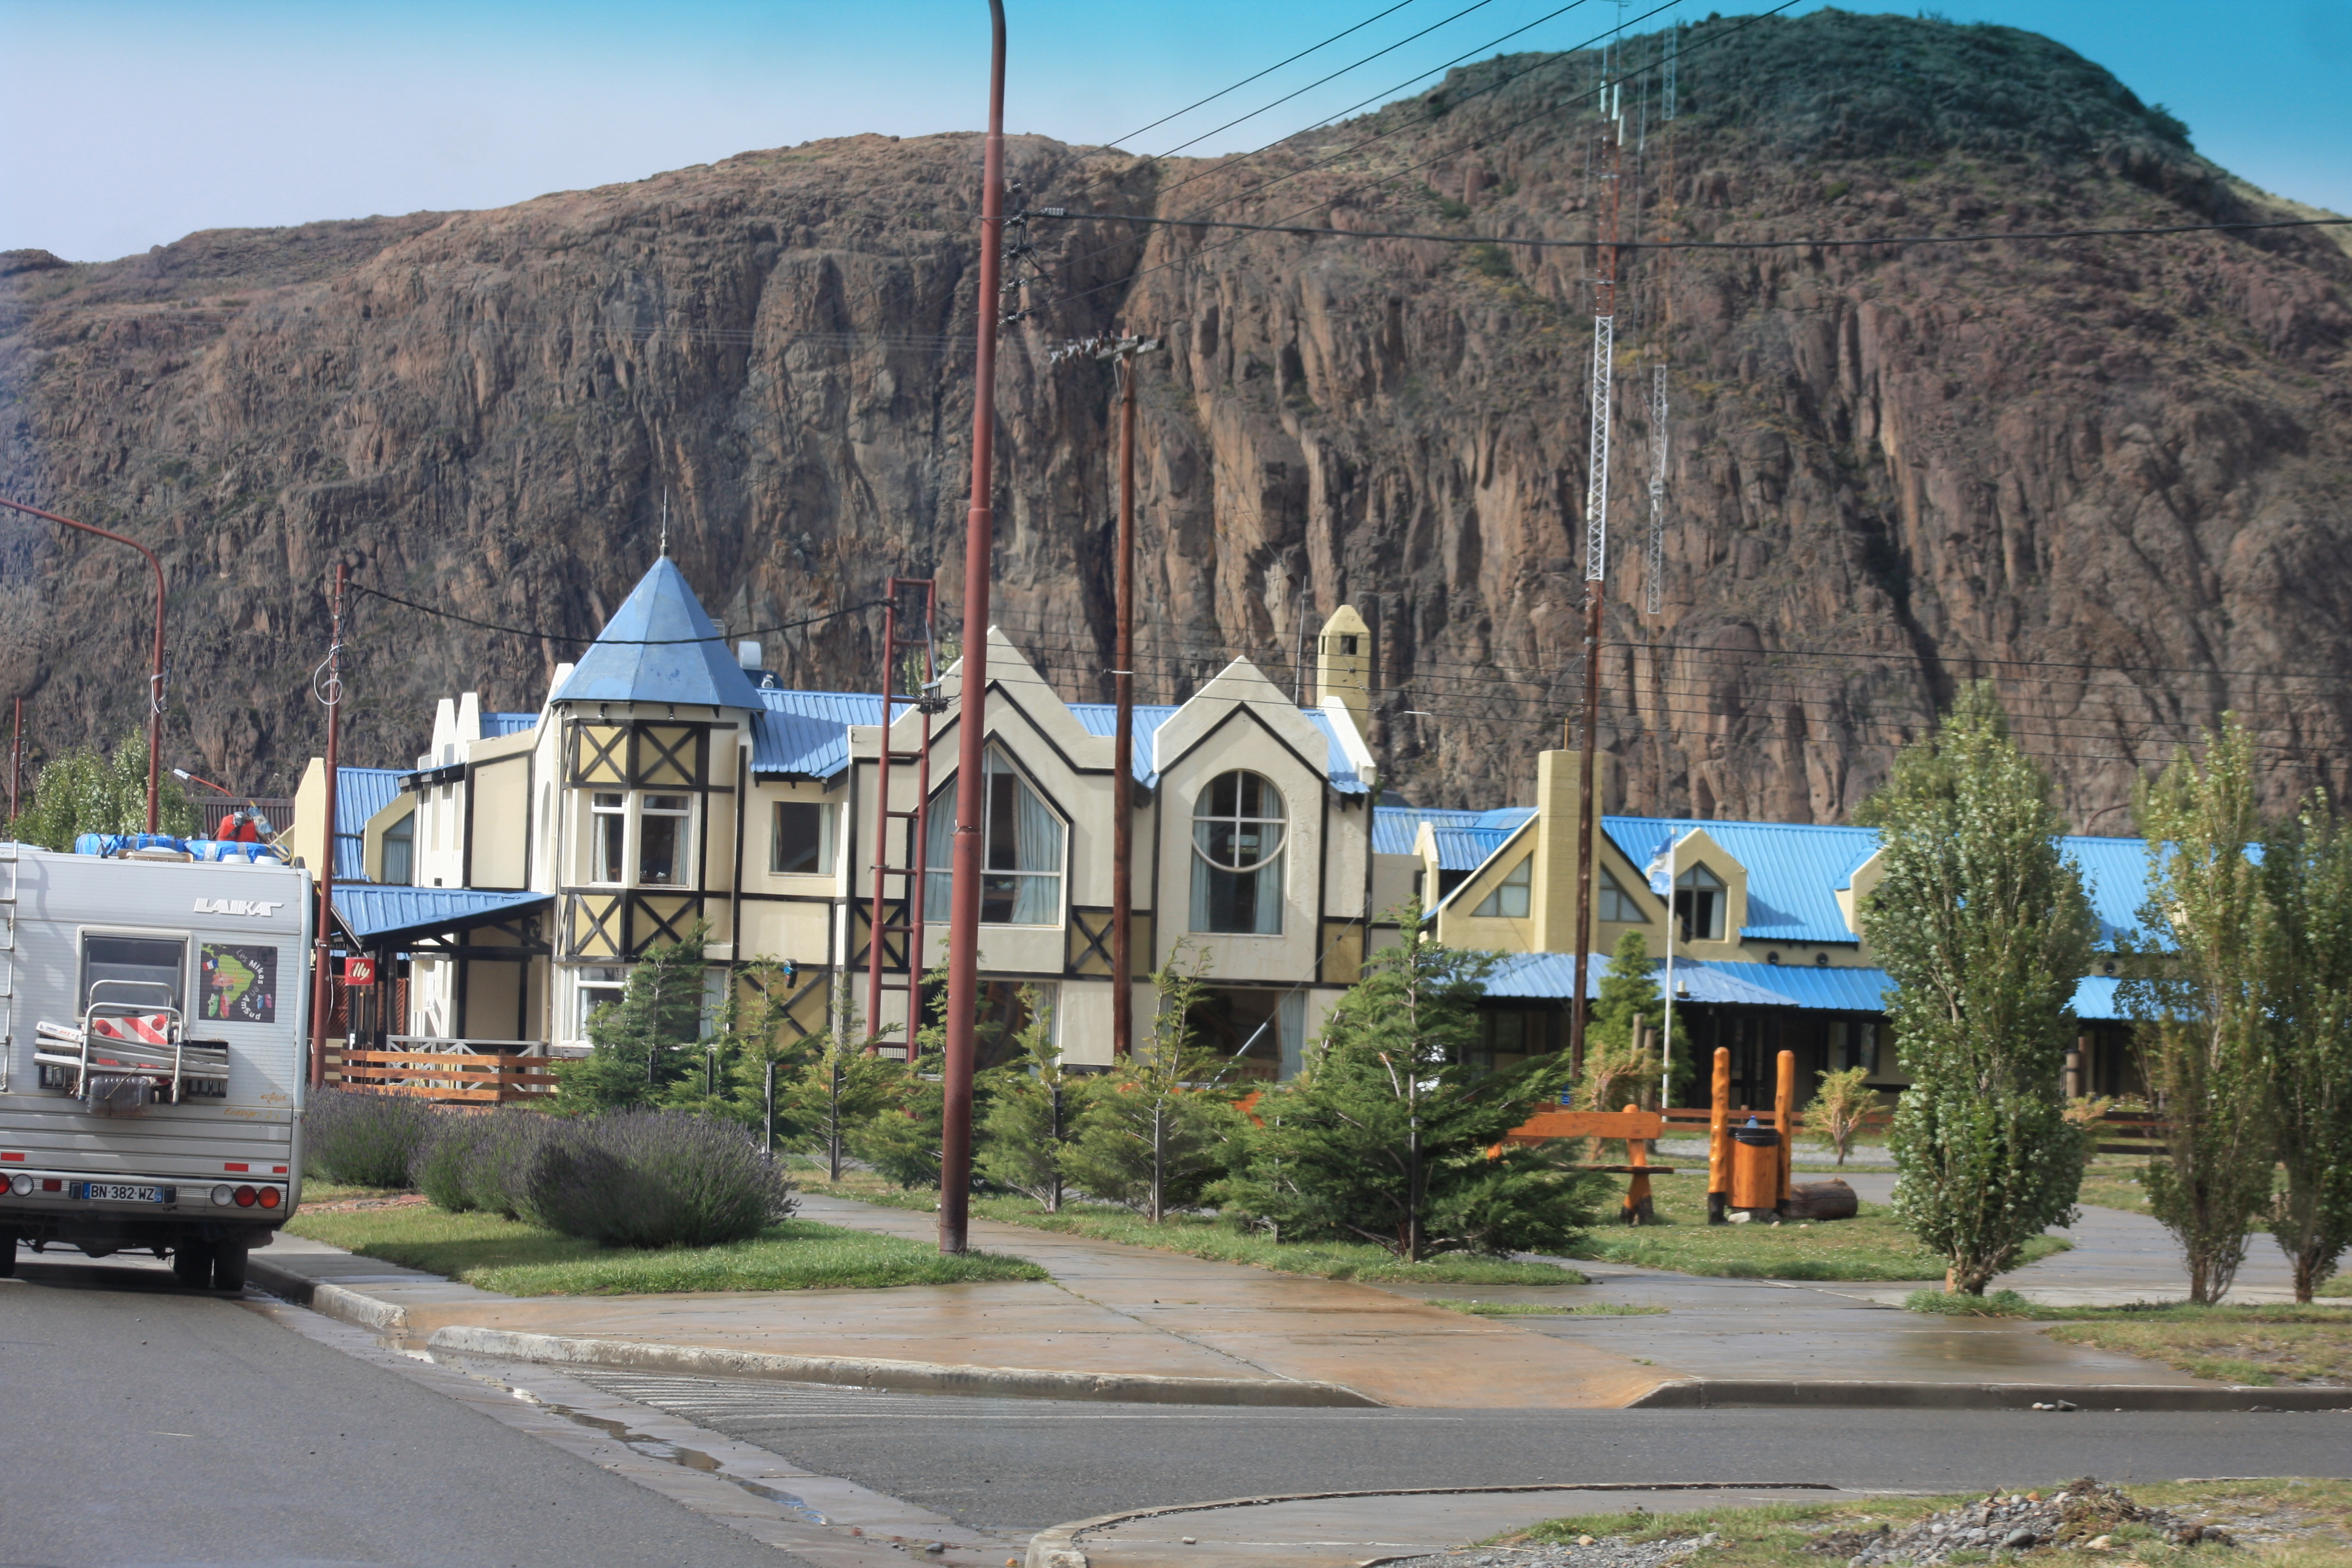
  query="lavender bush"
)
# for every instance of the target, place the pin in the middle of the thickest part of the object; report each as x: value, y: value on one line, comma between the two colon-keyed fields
x: 482, y: 1160
x: 653, y: 1178
x: 363, y: 1138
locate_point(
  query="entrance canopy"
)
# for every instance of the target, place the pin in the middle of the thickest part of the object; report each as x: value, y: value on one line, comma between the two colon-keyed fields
x: 400, y: 917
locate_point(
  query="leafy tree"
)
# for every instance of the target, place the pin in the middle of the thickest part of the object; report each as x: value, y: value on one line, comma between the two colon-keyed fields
x: 2198, y: 992
x: 1033, y: 1113
x: 83, y: 792
x: 1984, y: 928
x: 1153, y: 1135
x: 2306, y: 871
x: 1630, y: 995
x: 1386, y: 1134
x: 635, y: 1046
x: 1841, y: 1102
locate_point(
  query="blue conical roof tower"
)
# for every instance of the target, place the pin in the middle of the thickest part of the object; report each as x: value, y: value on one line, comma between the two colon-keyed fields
x: 660, y: 646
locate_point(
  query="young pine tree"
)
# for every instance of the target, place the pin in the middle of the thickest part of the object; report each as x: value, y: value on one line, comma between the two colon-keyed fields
x: 1627, y: 1063
x: 1984, y: 928
x: 837, y: 1087
x: 636, y: 1052
x: 1385, y: 1136
x: 1032, y: 1113
x: 1153, y: 1133
x: 2199, y: 998
x: 2307, y: 872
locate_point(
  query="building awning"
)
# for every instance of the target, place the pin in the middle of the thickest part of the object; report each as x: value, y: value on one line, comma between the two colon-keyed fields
x: 393, y: 917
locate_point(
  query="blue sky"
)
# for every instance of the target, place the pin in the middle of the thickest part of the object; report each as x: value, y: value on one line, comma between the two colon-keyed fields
x: 129, y: 123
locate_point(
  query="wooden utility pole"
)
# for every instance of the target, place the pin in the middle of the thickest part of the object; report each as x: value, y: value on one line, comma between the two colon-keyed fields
x: 322, y: 951
x: 971, y: 748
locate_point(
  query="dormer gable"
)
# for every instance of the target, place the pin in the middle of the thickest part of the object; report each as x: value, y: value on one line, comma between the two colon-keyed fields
x: 1241, y: 685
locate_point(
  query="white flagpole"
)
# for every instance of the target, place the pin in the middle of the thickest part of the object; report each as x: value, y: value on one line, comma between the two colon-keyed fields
x: 1668, y: 1094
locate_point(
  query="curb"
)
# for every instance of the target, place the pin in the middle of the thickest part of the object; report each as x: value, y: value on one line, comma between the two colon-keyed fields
x: 335, y: 1301
x: 1058, y: 1547
x: 917, y: 1376
x: 1718, y: 1393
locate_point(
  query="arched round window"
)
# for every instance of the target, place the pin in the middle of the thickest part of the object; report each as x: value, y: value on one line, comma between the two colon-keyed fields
x: 1237, y: 844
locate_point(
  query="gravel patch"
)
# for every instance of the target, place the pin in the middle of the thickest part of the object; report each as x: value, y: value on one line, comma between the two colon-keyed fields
x: 1585, y: 1552
x: 2082, y: 1516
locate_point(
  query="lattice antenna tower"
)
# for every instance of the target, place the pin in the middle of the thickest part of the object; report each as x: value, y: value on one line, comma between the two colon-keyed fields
x: 1653, y: 563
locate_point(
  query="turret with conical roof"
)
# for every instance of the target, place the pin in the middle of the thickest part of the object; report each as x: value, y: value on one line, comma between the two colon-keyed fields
x: 660, y: 646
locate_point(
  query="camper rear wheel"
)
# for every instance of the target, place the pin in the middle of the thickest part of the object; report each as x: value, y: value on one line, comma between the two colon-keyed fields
x: 229, y: 1263
x: 7, y: 1254
x: 192, y: 1264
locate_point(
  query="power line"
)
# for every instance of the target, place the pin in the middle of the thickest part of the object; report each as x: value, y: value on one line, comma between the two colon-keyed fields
x: 1268, y: 71
x: 629, y: 642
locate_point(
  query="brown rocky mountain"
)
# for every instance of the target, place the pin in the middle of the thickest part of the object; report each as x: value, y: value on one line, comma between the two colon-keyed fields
x: 2112, y: 471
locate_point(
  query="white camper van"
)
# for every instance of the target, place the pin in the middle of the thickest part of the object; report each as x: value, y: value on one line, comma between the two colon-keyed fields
x: 151, y: 1090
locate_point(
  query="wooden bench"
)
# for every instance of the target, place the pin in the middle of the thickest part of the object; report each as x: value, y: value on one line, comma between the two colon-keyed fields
x: 1635, y: 1127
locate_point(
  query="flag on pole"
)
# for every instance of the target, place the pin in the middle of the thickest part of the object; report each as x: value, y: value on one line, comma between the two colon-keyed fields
x: 1660, y: 869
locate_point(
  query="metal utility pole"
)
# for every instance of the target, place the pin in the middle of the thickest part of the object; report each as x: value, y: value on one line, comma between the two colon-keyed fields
x: 156, y: 679
x: 1596, y: 576
x: 971, y: 751
x: 1121, y: 353
x: 329, y: 691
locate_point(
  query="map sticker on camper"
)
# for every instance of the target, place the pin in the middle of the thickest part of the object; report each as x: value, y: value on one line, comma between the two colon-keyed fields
x: 240, y: 983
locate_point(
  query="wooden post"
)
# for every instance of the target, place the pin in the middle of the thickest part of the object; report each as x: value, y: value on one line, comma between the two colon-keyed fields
x: 1719, y: 1139
x: 1784, y: 1117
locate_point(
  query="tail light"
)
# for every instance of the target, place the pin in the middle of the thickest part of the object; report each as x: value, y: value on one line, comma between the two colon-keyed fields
x: 20, y: 1185
x: 269, y: 1197
x: 224, y: 1195
x: 244, y: 1197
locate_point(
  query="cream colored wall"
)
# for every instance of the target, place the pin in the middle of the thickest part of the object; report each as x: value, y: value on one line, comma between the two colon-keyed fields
x: 501, y: 825
x: 1457, y: 927
x: 1242, y: 742
x: 309, y: 832
x: 1082, y: 1020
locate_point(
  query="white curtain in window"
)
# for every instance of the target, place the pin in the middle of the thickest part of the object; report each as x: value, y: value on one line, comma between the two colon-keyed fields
x: 1290, y: 1023
x: 938, y: 857
x: 1269, y: 896
x: 1036, y: 846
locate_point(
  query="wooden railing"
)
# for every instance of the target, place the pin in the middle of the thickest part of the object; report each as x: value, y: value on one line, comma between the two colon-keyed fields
x: 475, y: 1078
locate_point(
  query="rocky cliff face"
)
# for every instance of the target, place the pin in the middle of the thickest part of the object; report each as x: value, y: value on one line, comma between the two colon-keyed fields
x: 2110, y: 472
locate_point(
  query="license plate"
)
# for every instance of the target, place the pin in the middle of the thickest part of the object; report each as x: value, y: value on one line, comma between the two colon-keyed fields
x: 123, y: 1193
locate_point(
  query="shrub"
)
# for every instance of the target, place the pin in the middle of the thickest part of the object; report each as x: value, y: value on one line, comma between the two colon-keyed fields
x: 363, y: 1138
x: 482, y: 1161
x: 650, y: 1178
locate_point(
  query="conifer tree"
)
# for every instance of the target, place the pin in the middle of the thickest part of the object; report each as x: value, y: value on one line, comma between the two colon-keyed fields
x: 1982, y: 924
x: 635, y: 1051
x: 2306, y: 871
x: 1385, y: 1135
x: 1032, y: 1112
x: 1630, y: 995
x: 838, y: 1086
x: 1154, y: 1130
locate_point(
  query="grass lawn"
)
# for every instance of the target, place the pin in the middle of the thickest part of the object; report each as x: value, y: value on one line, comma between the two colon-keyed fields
x: 2279, y: 1523
x: 1871, y: 1245
x: 524, y: 1260
x: 316, y: 1191
x: 1199, y: 1236
x: 2257, y: 1344
x: 2113, y: 1181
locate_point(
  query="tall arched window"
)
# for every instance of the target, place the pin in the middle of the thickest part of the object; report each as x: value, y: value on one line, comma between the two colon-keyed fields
x: 1237, y: 845
x: 1020, y: 852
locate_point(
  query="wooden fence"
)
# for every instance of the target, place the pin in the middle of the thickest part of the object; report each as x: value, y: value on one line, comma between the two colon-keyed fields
x: 469, y: 1078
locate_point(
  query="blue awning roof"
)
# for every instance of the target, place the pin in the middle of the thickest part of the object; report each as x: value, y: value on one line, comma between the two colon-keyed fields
x: 1551, y: 977
x: 1467, y: 848
x: 659, y: 647
x: 376, y: 914
x: 806, y: 733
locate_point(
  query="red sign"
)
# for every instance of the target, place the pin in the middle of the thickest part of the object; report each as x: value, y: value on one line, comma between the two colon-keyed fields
x: 359, y: 972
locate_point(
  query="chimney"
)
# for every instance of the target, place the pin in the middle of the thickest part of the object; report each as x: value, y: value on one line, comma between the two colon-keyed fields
x: 1343, y: 665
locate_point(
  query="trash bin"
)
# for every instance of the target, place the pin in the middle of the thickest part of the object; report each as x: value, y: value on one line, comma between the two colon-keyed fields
x: 1754, y: 1168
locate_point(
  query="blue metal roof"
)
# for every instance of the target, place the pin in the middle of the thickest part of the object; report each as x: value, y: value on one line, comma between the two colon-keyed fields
x: 806, y: 733
x: 659, y: 647
x: 360, y: 794
x: 2114, y: 875
x: 1551, y: 977
x: 1394, y: 828
x: 370, y: 913
x: 1793, y: 869
x: 495, y: 726
x: 1467, y: 848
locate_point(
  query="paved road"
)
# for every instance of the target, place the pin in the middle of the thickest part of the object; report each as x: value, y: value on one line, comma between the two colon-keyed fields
x: 1022, y: 1465
x: 147, y: 1426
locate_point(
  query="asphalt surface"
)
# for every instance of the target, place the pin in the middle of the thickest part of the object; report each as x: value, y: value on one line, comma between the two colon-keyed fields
x: 149, y: 1426
x: 1022, y: 1465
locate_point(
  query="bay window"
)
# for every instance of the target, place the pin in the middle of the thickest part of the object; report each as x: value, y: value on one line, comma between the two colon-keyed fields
x: 640, y: 839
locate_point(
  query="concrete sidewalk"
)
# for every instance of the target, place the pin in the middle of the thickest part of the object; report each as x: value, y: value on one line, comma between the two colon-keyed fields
x: 1136, y: 1324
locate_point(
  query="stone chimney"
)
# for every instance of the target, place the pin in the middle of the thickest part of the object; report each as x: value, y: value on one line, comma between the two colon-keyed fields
x: 1343, y: 665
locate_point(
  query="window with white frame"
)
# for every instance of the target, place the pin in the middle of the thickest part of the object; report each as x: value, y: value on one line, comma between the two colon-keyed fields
x: 1616, y: 903
x: 803, y: 842
x: 640, y: 839
x: 1700, y: 898
x: 600, y: 987
x: 1238, y: 832
x: 1021, y: 851
x: 1509, y: 899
